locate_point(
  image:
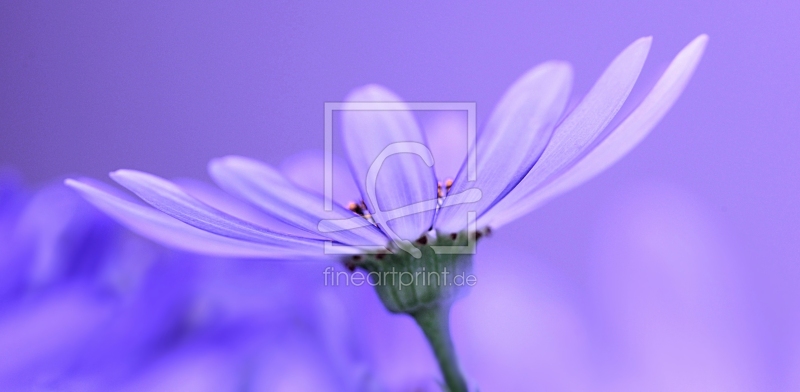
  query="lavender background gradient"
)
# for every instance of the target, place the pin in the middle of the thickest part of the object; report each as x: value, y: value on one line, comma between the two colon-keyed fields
x: 706, y: 205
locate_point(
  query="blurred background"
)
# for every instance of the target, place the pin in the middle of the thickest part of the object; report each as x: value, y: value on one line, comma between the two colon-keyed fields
x: 676, y: 269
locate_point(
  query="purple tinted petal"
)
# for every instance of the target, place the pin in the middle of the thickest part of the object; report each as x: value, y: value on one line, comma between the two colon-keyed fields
x: 218, y: 199
x: 307, y: 170
x: 585, y: 123
x: 405, y: 177
x: 622, y: 139
x: 267, y: 189
x: 173, y: 233
x: 514, y: 138
x: 173, y: 201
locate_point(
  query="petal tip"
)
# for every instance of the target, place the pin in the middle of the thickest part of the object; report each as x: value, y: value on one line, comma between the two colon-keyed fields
x: 553, y: 69
x: 692, y: 52
x: 644, y: 41
x: 698, y: 44
x: 72, y: 183
x: 82, y: 186
x: 219, y: 162
x: 222, y: 166
x: 119, y: 175
x: 701, y: 40
x: 371, y: 93
x: 560, y: 65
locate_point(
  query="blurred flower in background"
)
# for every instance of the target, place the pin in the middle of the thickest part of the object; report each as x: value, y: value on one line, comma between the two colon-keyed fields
x: 666, y: 288
x: 86, y: 305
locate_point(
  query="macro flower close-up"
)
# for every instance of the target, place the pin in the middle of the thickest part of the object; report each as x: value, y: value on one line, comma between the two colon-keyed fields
x: 523, y: 157
x: 366, y: 197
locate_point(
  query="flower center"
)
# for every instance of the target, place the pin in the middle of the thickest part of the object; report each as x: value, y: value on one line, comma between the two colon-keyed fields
x: 360, y: 208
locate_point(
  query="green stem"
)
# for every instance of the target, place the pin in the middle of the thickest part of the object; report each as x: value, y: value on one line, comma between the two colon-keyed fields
x: 435, y: 323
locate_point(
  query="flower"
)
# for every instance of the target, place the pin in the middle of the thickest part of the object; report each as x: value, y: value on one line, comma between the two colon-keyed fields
x: 525, y: 156
x: 529, y: 152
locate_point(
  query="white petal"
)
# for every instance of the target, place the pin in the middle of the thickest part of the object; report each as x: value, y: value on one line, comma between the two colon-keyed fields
x: 515, y: 136
x: 405, y: 175
x: 172, y: 200
x: 220, y: 200
x: 584, y: 124
x: 173, y: 233
x: 267, y: 189
x: 622, y: 139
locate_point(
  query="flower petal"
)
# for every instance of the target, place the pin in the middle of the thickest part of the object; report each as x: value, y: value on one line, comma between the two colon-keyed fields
x: 173, y: 233
x: 172, y: 200
x: 218, y: 199
x: 269, y: 190
x: 514, y: 138
x: 622, y: 139
x: 584, y: 124
x: 388, y: 139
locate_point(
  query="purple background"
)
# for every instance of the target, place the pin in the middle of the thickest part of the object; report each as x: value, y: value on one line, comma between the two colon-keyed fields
x: 89, y: 88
